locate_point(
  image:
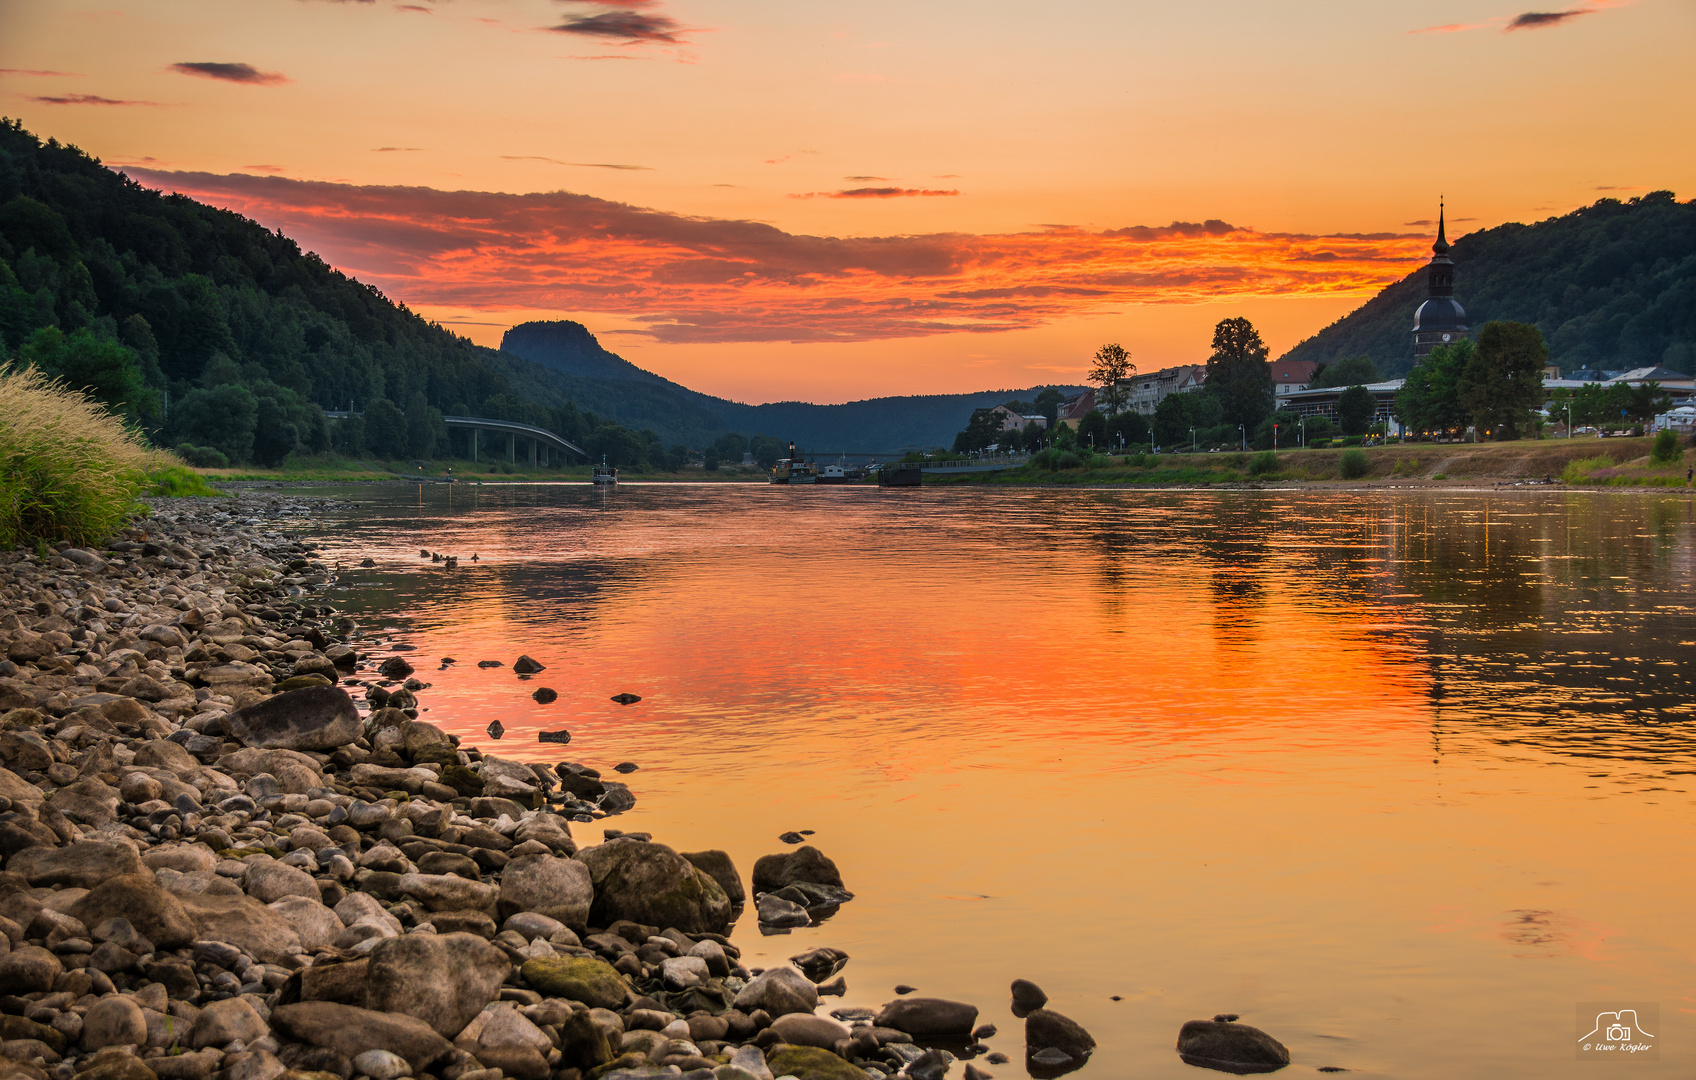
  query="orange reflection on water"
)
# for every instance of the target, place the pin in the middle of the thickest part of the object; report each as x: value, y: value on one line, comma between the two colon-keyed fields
x: 1334, y: 762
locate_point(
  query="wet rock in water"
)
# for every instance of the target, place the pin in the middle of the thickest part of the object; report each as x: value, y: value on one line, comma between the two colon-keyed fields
x: 975, y: 1073
x: 983, y: 1031
x: 1047, y: 1028
x: 776, y: 912
x: 490, y: 664
x: 903, y: 988
x: 524, y: 665
x: 1230, y: 1047
x: 930, y: 1018
x: 367, y: 563
x: 577, y: 978
x: 1050, y: 1057
x: 316, y: 718
x: 1225, y: 1018
x: 626, y: 699
x: 1027, y: 998
x: 394, y: 667
x: 820, y: 964
x: 561, y: 736
x: 779, y: 992
x: 930, y: 1065
x: 495, y: 729
x: 545, y: 695
x: 653, y: 885
x: 625, y: 767
x: 442, y: 979
x: 791, y: 838
x: 997, y: 1058
x: 836, y: 987
x: 718, y: 866
x: 806, y: 864
x: 812, y: 1063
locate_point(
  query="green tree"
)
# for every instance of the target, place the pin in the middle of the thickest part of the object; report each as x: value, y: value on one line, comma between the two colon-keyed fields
x: 1349, y: 371
x: 1503, y: 382
x: 767, y: 450
x: 982, y: 431
x: 274, y: 435
x: 1112, y: 366
x: 1429, y: 401
x: 100, y: 367
x: 1178, y: 413
x: 619, y: 445
x: 1237, y: 373
x: 223, y: 417
x: 1356, y: 407
x: 1092, y: 430
x: 385, y: 429
x: 424, y: 426
x: 1048, y: 404
x: 1129, y: 429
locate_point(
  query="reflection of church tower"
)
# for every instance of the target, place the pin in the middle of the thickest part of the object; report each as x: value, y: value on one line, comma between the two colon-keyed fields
x: 1439, y: 321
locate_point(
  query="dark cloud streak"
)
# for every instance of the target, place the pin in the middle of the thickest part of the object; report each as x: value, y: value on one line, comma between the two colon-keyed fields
x: 246, y: 74
x: 630, y: 26
x: 86, y: 99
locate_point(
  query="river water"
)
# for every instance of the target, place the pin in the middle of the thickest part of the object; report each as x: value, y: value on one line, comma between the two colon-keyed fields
x: 1401, y: 777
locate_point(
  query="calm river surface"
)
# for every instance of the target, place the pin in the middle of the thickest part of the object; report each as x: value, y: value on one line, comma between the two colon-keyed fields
x: 1403, y: 778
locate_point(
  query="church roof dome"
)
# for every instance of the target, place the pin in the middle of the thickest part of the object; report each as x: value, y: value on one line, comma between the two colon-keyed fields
x: 1439, y: 313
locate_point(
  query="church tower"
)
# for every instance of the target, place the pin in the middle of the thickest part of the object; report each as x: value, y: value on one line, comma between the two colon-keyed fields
x: 1439, y: 320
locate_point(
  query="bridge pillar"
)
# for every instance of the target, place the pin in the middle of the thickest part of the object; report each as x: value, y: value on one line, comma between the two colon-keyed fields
x: 511, y: 448
x: 474, y: 446
x: 532, y: 453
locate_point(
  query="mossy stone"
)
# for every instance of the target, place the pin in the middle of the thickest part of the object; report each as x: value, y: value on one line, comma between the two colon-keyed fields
x: 812, y: 1063
x: 578, y: 978
x: 462, y: 780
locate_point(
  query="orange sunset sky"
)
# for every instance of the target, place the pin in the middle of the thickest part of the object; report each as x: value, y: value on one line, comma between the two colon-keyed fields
x: 830, y: 201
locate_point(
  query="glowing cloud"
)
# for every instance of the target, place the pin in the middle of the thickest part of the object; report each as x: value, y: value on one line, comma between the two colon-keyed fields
x: 1532, y: 20
x: 629, y: 26
x: 229, y: 72
x: 577, y: 164
x: 41, y: 74
x: 698, y: 279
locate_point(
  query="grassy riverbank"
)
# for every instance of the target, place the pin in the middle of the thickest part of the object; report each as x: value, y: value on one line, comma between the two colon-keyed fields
x: 1578, y: 461
x: 331, y: 469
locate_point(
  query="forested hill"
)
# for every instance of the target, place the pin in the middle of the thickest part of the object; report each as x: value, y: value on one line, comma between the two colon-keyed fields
x: 209, y: 330
x: 615, y: 387
x: 1612, y: 285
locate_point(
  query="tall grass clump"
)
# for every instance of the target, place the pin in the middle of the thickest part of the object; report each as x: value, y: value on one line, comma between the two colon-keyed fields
x: 1354, y: 464
x: 69, y: 470
x: 1264, y: 464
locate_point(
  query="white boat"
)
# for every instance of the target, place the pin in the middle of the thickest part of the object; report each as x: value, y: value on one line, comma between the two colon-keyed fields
x: 604, y: 473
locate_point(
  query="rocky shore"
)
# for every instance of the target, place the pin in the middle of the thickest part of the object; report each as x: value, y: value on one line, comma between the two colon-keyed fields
x: 219, y: 863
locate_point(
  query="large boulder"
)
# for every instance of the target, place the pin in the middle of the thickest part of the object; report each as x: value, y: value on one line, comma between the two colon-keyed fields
x: 81, y: 865
x: 1230, y: 1047
x: 114, y: 1021
x: 778, y: 991
x: 243, y: 922
x: 350, y: 1031
x: 558, y: 888
x: 578, y: 978
x: 653, y: 885
x: 296, y: 773
x: 718, y: 866
x: 155, y: 913
x: 316, y: 925
x: 449, y: 892
x: 271, y: 881
x: 442, y: 979
x: 27, y: 970
x: 315, y: 718
x: 1047, y: 1028
x: 224, y: 1022
x: 806, y: 864
x: 929, y: 1018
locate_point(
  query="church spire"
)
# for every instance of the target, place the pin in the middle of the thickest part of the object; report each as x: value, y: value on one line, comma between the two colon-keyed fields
x: 1441, y: 247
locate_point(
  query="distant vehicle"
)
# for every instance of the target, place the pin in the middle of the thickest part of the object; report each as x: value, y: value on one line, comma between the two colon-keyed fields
x: 604, y: 473
x: 840, y: 474
x: 794, y: 470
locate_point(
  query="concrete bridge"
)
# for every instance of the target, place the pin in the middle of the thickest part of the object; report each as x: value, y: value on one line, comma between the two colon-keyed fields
x: 541, y: 441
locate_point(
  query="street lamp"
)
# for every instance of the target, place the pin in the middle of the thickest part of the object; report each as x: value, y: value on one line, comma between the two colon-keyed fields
x: 1192, y: 440
x: 1569, y: 418
x: 1243, y: 435
x: 1304, y: 431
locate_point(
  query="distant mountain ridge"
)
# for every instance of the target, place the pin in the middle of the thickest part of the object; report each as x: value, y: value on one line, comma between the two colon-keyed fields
x: 1611, y: 285
x: 611, y: 386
